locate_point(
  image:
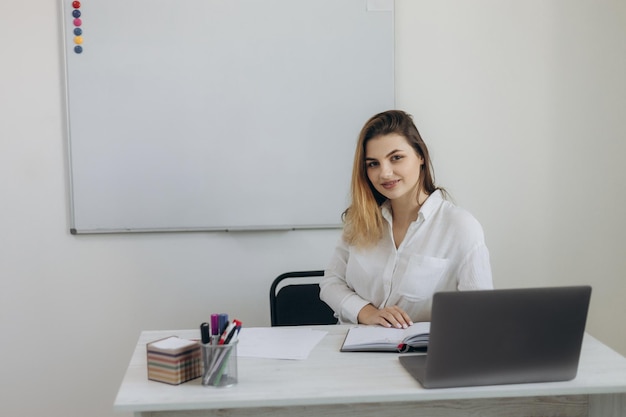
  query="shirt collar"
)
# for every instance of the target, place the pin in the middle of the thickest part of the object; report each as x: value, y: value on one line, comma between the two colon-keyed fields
x: 430, y: 205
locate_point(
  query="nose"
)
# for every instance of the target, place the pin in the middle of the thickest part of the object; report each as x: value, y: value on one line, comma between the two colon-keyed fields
x: 386, y: 170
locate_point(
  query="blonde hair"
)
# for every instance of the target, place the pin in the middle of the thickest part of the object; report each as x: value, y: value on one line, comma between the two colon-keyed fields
x: 363, y: 220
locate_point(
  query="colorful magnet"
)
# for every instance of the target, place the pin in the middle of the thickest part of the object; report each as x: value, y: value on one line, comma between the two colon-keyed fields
x: 78, y: 40
x: 76, y: 4
x: 76, y: 13
x: 77, y: 22
x: 78, y: 31
x: 78, y: 49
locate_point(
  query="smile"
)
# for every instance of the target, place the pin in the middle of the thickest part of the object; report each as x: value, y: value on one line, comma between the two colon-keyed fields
x: 390, y: 184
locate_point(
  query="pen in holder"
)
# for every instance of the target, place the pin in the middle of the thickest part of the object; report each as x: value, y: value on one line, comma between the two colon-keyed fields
x: 219, y: 364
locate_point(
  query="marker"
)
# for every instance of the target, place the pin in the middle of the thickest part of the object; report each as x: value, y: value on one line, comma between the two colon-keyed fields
x: 204, y: 333
x: 215, y: 324
x: 223, y: 323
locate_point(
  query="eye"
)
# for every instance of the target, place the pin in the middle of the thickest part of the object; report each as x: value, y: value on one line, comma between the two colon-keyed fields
x: 371, y: 164
x: 396, y: 157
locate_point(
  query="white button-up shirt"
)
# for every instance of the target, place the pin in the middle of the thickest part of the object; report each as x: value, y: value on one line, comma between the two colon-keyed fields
x: 443, y: 250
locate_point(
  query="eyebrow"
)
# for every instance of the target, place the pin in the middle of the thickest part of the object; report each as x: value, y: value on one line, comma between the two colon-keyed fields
x: 386, y: 156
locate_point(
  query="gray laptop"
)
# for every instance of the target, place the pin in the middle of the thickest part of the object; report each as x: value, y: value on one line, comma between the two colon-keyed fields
x: 507, y: 336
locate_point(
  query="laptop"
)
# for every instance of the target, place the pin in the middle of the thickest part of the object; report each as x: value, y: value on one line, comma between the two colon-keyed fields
x: 507, y: 336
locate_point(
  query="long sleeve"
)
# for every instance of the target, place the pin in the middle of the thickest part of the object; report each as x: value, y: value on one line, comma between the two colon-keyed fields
x: 474, y: 273
x: 334, y: 289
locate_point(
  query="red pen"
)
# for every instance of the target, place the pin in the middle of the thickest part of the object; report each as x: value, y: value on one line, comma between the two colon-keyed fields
x: 229, y: 329
x: 233, y: 332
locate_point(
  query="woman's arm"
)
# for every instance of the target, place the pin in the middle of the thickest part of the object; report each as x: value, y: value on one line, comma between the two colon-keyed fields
x: 474, y: 272
x: 349, y: 306
x: 334, y: 289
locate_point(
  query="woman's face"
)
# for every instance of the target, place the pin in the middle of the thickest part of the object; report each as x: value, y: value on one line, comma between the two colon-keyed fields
x: 393, y: 167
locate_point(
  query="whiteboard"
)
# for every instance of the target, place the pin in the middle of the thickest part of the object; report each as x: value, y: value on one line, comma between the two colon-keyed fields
x: 220, y: 114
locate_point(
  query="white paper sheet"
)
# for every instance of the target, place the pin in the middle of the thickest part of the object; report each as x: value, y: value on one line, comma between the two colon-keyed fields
x: 173, y: 343
x: 278, y: 342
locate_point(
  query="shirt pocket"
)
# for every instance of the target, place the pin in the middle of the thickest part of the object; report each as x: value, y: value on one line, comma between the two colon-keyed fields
x: 422, y: 277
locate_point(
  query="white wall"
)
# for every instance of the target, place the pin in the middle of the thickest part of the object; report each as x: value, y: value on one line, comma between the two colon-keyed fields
x: 522, y: 104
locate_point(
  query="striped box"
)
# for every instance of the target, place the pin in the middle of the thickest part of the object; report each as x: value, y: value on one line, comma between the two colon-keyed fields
x: 174, y: 360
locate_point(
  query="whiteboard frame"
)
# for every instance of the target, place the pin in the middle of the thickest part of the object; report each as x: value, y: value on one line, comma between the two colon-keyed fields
x: 77, y: 228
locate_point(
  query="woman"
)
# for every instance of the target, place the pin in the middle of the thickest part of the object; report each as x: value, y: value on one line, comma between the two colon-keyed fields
x: 402, y: 240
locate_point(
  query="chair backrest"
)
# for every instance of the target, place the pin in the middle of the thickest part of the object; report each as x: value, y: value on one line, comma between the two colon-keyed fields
x: 294, y: 303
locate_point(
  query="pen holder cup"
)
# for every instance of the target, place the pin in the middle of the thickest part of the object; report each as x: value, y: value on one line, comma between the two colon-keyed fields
x: 219, y: 364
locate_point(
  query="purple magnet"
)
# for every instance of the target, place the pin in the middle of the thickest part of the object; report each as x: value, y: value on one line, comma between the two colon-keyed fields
x: 76, y: 13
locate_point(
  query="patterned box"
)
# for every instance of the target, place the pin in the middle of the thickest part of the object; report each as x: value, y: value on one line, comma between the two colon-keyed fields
x: 174, y: 360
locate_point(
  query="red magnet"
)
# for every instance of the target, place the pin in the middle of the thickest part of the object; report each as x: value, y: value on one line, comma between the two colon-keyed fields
x: 76, y: 4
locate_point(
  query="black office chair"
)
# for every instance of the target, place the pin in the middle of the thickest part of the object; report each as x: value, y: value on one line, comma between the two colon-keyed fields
x: 295, y: 304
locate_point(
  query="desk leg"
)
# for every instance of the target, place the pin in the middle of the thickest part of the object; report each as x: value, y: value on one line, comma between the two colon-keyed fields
x: 607, y: 405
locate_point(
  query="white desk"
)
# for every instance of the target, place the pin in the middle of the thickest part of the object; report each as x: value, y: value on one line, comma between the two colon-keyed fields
x: 332, y: 383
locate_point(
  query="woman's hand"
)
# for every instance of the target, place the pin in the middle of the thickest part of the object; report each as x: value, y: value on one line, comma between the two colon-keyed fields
x: 392, y: 316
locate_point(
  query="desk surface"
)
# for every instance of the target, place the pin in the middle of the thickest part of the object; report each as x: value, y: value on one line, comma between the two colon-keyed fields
x: 329, y: 376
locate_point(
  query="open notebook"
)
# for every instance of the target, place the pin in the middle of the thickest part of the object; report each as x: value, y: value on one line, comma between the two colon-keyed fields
x: 364, y: 338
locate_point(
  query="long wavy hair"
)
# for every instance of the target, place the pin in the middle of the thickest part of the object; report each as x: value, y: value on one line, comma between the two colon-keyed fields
x: 363, y: 221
